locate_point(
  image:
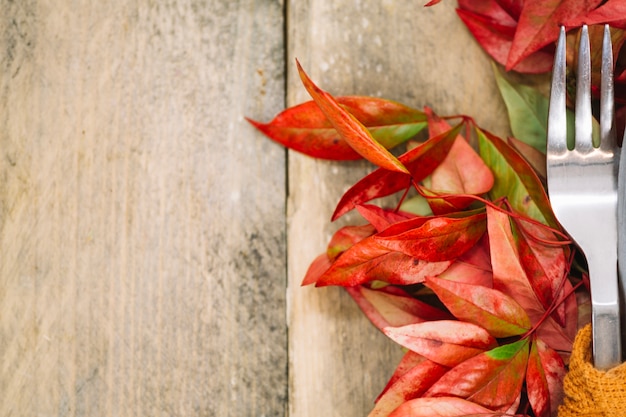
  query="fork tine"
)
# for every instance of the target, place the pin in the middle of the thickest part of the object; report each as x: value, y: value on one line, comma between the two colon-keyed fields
x: 584, y: 138
x: 607, y: 108
x: 557, y: 115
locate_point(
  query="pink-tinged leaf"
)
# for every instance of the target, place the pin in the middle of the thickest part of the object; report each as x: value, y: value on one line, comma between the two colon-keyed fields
x: 368, y: 260
x: 409, y: 361
x: 545, y: 265
x: 386, y: 307
x: 432, y: 3
x: 318, y: 267
x: 492, y: 379
x: 494, y: 311
x: 353, y: 132
x: 346, y: 237
x: 437, y: 239
x: 544, y: 379
x: 539, y: 24
x: 446, y: 342
x: 473, y: 267
x: 496, y: 38
x: 408, y: 386
x: 510, y: 278
x: 461, y: 173
x: 535, y: 158
x: 442, y: 407
x: 305, y: 129
x: 381, y: 218
x: 420, y: 161
x: 467, y: 273
x: 515, y: 179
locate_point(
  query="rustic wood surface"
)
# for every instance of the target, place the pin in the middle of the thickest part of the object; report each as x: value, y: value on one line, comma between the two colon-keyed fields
x: 152, y: 243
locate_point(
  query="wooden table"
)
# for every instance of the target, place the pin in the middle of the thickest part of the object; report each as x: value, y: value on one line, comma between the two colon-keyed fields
x: 152, y: 242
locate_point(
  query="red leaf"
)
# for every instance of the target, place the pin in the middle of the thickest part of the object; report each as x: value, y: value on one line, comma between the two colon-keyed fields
x: 492, y: 10
x: 539, y: 24
x: 496, y: 38
x: 498, y: 313
x: 473, y: 267
x: 612, y: 12
x: 317, y: 268
x: 346, y: 237
x: 447, y: 342
x: 357, y: 135
x: 381, y: 218
x: 544, y: 379
x: 368, y: 260
x: 436, y: 239
x: 304, y: 128
x: 385, y: 308
x: 420, y: 161
x: 441, y: 407
x: 493, y: 379
x: 545, y: 265
x: 461, y: 172
x: 409, y: 361
x: 407, y: 386
x: 510, y: 278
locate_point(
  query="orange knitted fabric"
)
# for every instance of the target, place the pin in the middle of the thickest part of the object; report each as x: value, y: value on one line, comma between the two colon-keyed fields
x: 588, y: 391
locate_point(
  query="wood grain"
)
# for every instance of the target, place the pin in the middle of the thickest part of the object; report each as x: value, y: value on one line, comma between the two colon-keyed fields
x: 142, y: 220
x: 392, y: 49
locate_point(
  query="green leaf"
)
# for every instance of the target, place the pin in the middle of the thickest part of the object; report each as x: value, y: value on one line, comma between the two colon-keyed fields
x: 528, y: 111
x: 515, y: 179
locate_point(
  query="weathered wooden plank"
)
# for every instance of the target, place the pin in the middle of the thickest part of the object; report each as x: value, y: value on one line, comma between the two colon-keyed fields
x: 142, y: 237
x: 397, y: 50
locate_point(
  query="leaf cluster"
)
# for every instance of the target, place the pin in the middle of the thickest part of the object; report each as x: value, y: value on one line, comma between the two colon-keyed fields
x: 476, y: 284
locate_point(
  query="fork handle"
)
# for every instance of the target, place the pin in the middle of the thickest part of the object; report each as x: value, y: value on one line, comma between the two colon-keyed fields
x: 605, y: 317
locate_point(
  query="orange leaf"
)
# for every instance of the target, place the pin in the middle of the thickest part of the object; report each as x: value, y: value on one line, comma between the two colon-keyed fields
x: 357, y: 135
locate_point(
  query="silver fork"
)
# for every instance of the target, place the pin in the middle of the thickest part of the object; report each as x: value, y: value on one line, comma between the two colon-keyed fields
x: 582, y: 185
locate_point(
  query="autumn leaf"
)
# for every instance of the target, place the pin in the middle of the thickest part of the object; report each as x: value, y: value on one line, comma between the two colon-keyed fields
x: 494, y: 29
x: 491, y: 309
x: 461, y: 173
x: 411, y: 384
x: 346, y: 237
x: 535, y: 158
x: 510, y: 277
x: 421, y: 161
x: 473, y: 267
x: 316, y: 269
x: 545, y: 265
x: 304, y: 128
x: 357, y: 135
x: 440, y: 407
x: 539, y: 24
x: 381, y: 218
x: 612, y: 12
x: 392, y: 306
x: 447, y: 342
x: 528, y: 111
x: 515, y: 179
x: 492, y: 379
x: 369, y: 260
x: 436, y: 239
x: 544, y: 379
